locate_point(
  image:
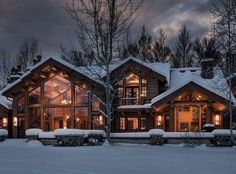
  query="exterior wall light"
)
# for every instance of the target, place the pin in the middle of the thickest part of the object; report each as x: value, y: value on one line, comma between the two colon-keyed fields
x: 15, y: 120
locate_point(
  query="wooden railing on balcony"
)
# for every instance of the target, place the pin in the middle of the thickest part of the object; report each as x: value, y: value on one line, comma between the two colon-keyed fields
x: 131, y: 101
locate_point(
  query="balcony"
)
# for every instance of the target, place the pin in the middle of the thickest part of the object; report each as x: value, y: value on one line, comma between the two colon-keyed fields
x: 131, y: 101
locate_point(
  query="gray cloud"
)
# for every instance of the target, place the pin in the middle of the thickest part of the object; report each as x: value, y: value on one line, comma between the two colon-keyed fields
x: 47, y: 21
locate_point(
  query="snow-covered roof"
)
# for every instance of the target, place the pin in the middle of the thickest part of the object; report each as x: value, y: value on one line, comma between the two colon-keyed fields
x: 160, y: 68
x: 31, y: 68
x: 5, y: 102
x: 183, y: 76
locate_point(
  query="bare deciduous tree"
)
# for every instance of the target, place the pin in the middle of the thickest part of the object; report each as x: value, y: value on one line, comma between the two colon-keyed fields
x: 224, y: 29
x: 100, y: 27
x: 29, y: 49
x: 6, y: 63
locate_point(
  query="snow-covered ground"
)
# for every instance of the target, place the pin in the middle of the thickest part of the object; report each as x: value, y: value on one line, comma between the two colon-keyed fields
x: 19, y: 157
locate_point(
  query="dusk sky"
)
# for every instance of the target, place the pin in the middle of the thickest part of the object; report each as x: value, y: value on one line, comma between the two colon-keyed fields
x: 47, y: 21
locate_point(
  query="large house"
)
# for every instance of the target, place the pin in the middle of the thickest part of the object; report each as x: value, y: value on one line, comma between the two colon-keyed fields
x: 55, y: 94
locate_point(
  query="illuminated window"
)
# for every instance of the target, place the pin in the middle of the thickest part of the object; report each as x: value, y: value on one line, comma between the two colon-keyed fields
x: 122, y: 123
x: 144, y: 81
x: 34, y: 119
x: 132, y: 79
x: 34, y: 96
x: 81, y: 95
x: 143, y: 123
x: 132, y: 123
x: 98, y: 122
x: 95, y: 103
x: 143, y: 91
x: 56, y: 118
x: 57, y: 91
x: 158, y: 120
x: 21, y: 105
x: 81, y: 117
x: 120, y: 92
x: 15, y: 121
x: 217, y: 120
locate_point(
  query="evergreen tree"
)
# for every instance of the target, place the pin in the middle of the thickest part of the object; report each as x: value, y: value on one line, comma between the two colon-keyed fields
x: 183, y: 49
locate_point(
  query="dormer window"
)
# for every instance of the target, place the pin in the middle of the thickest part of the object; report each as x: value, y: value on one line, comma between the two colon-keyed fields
x: 132, y: 90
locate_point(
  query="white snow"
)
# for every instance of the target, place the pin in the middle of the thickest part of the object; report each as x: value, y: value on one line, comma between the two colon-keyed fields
x: 156, y: 132
x: 4, y: 101
x: 183, y: 76
x: 188, y: 134
x: 223, y: 132
x: 46, y: 135
x: 93, y: 132
x: 17, y: 156
x: 33, y: 132
x: 34, y: 143
x: 63, y: 132
x: 3, y: 132
x: 209, y: 125
x: 130, y: 135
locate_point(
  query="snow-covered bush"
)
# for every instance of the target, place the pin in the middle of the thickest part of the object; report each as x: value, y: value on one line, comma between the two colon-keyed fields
x: 46, y: 135
x: 3, y: 134
x: 130, y: 135
x: 209, y: 127
x: 32, y: 134
x: 223, y: 137
x: 156, y: 136
x: 69, y: 137
x: 94, y: 137
x: 69, y: 132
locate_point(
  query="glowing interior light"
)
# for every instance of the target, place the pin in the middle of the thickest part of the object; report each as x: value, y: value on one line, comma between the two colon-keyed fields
x: 159, y: 119
x: 217, y: 119
x: 4, y: 122
x: 15, y: 121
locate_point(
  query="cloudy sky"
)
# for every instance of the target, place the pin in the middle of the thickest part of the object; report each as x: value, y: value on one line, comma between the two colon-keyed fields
x: 47, y: 21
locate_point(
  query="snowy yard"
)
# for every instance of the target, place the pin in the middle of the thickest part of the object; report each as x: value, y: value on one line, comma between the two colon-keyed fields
x: 16, y: 156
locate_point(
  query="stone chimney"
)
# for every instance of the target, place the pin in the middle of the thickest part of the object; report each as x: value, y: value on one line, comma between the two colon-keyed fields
x: 37, y: 59
x: 15, y: 74
x: 207, y: 68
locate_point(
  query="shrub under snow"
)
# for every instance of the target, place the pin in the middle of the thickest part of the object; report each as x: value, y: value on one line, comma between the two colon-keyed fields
x: 69, y: 132
x: 156, y: 132
x: 223, y: 132
x: 3, y: 132
x: 46, y: 135
x: 33, y: 132
x: 88, y: 133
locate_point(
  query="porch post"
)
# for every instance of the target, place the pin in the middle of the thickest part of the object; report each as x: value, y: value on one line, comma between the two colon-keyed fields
x: 89, y: 110
x: 14, y: 114
x: 209, y: 112
x: 72, y: 121
x: 172, y: 117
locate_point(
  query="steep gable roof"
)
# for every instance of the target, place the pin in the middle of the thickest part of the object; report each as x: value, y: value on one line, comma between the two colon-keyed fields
x: 180, y: 77
x: 44, y: 62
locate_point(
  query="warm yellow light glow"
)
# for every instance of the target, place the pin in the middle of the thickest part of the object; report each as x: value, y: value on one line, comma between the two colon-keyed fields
x: 67, y: 117
x: 63, y: 102
x: 4, y: 122
x: 100, y: 120
x: 159, y: 119
x: 65, y: 127
x: 77, y: 119
x: 217, y: 120
x: 15, y: 121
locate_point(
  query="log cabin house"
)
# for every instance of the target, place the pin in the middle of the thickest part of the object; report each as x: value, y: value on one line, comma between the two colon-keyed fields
x: 55, y: 94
